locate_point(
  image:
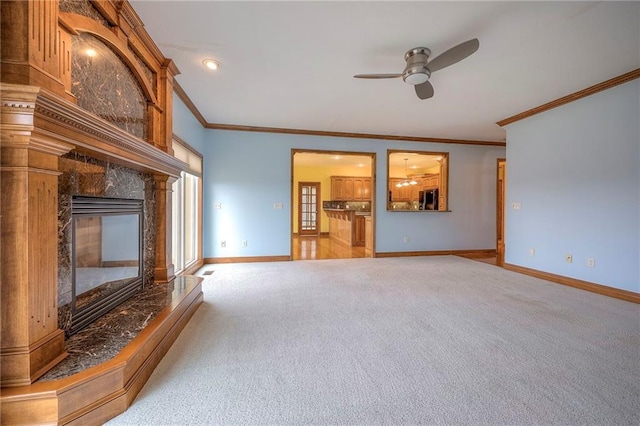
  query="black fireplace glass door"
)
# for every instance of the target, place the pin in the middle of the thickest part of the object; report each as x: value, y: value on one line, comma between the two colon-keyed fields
x: 107, y: 263
x: 107, y: 253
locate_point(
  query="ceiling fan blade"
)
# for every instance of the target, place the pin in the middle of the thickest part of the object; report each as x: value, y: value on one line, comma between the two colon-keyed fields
x: 424, y: 90
x: 453, y: 55
x: 377, y: 75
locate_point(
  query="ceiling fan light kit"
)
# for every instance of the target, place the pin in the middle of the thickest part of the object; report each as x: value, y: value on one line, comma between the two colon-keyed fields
x: 416, y: 71
x: 418, y: 68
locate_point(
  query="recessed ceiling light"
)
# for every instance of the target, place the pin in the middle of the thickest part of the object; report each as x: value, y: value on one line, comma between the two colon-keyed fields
x: 91, y: 53
x: 211, y: 64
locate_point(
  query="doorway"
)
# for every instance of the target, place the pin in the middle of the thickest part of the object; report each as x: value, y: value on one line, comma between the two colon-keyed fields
x: 309, y: 211
x: 316, y: 198
x: 501, y: 187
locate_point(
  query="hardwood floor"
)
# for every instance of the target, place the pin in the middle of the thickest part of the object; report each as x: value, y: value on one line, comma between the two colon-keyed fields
x: 323, y: 247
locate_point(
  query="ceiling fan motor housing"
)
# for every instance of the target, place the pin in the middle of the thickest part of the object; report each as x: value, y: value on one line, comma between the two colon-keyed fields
x: 416, y: 71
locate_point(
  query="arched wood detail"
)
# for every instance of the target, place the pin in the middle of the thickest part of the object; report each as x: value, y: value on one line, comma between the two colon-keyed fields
x: 81, y: 23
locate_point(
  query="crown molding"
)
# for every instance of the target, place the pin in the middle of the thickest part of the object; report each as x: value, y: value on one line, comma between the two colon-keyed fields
x: 350, y: 135
x: 608, y: 84
x: 233, y: 127
x: 188, y: 103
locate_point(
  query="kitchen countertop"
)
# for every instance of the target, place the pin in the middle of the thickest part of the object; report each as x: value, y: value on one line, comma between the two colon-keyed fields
x: 358, y: 213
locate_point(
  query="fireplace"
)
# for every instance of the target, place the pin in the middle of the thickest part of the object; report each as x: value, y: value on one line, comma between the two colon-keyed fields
x: 106, y: 255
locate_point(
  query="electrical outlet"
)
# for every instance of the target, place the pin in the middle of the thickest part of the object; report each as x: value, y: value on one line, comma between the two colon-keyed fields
x: 532, y: 252
x: 406, y: 239
x: 244, y: 243
x: 223, y: 244
x: 568, y: 258
x: 591, y: 262
x: 516, y: 206
x: 217, y: 206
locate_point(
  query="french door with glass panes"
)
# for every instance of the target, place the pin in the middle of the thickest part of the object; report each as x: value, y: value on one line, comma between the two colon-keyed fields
x: 308, y: 211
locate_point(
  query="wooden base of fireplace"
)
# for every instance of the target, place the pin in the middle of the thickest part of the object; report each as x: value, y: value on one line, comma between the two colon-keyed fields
x: 102, y: 392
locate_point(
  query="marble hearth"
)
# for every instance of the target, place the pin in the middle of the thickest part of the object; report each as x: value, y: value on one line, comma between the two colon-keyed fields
x: 109, y: 361
x: 107, y: 336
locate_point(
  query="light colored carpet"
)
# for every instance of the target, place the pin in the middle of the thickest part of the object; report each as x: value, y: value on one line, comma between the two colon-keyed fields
x: 398, y: 341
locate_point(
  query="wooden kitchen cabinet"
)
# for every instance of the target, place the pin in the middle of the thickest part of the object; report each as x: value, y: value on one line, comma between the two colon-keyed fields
x: 403, y: 193
x: 366, y: 189
x: 359, y: 231
x: 406, y: 192
x: 396, y: 193
x: 337, y: 188
x: 368, y: 236
x: 347, y: 188
x: 431, y: 182
x: 415, y: 191
x: 362, y: 189
x: 357, y: 189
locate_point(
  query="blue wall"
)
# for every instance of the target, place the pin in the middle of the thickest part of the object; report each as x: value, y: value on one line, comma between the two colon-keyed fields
x: 247, y: 173
x: 185, y: 125
x: 575, y: 170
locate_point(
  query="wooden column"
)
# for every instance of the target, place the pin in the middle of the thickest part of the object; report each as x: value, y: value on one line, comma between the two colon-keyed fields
x: 31, y: 341
x: 161, y: 120
x: 32, y: 51
x: 164, y: 271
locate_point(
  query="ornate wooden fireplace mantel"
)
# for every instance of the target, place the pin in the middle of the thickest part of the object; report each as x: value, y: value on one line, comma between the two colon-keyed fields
x: 38, y: 127
x: 41, y: 121
x: 43, y: 117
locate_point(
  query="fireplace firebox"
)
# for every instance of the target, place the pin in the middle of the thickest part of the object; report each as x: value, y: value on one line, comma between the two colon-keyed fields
x: 107, y: 256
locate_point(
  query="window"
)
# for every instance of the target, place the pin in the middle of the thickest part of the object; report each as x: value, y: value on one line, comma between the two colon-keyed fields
x: 417, y: 181
x: 186, y: 213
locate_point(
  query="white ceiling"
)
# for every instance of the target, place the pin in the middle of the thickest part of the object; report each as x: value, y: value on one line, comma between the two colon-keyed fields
x: 291, y: 64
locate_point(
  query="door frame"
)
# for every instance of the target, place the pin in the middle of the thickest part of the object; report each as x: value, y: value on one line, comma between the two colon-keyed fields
x: 333, y: 152
x: 318, y: 186
x: 501, y: 192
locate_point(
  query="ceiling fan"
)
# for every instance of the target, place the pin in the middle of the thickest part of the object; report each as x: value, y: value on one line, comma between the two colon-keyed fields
x: 419, y: 68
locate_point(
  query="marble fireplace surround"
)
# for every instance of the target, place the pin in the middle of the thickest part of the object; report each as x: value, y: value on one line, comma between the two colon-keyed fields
x: 86, y: 176
x: 51, y: 130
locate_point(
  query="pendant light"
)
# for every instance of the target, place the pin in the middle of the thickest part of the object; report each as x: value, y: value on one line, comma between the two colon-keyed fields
x: 406, y: 182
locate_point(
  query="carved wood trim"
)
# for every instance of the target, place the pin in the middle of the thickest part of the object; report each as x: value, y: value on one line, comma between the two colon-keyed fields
x: 107, y: 10
x: 621, y: 79
x: 18, y: 95
x: 58, y: 119
x: 164, y: 269
x: 29, y: 170
x: 136, y: 24
x: 120, y: 47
